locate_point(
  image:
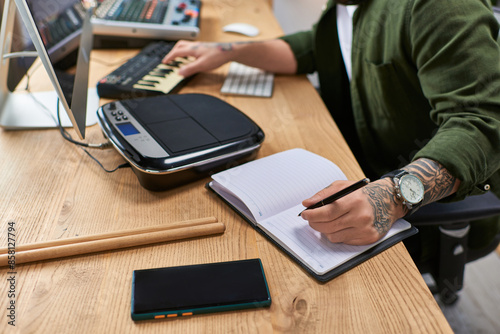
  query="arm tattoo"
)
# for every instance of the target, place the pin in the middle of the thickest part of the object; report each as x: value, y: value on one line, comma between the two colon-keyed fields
x: 230, y: 46
x: 221, y: 46
x: 382, y: 200
x: 225, y: 46
x: 439, y: 183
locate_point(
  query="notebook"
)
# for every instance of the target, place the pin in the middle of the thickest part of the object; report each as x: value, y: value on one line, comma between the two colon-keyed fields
x: 246, y: 80
x: 268, y: 193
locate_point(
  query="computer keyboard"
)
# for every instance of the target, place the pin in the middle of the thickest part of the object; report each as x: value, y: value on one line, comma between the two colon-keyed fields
x: 144, y: 74
x: 246, y: 80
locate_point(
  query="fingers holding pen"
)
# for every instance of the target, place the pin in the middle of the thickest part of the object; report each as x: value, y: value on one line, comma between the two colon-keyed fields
x: 345, y: 213
x: 343, y: 222
x: 331, y: 189
x: 330, y: 218
x: 320, y: 218
x: 349, y: 219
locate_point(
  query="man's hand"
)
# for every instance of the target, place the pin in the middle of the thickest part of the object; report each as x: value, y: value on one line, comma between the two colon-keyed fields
x: 359, y: 218
x: 208, y: 56
x: 366, y: 215
x: 273, y: 56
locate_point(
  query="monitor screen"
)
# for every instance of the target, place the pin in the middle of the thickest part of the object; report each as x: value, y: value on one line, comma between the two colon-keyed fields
x: 21, y: 41
x: 61, y: 28
x: 51, y: 25
x: 59, y: 23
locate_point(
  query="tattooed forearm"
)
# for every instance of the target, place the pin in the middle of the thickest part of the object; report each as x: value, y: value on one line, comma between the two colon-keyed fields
x: 221, y: 46
x: 382, y: 200
x: 439, y: 183
x: 225, y: 46
x: 230, y: 46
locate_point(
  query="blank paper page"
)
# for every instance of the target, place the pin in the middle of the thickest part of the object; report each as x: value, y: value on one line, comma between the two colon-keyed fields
x: 279, y: 181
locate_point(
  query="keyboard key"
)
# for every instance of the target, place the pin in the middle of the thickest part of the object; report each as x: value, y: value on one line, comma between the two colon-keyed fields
x: 144, y: 74
x: 246, y: 80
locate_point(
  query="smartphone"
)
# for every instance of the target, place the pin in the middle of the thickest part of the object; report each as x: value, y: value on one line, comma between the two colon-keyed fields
x: 188, y: 290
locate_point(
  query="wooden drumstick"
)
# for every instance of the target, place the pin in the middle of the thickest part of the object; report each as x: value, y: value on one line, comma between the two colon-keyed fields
x: 113, y: 243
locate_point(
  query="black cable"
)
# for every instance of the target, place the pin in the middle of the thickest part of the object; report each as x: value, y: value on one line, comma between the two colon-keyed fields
x: 125, y: 165
x: 66, y: 135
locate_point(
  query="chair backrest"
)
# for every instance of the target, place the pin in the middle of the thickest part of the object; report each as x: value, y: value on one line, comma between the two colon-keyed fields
x: 471, y: 208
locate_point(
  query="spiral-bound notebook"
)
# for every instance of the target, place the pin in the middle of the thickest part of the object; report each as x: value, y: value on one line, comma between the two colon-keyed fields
x: 268, y: 193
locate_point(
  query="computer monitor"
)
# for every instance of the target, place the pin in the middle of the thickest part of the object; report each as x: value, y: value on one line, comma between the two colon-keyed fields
x: 21, y: 41
x: 24, y: 111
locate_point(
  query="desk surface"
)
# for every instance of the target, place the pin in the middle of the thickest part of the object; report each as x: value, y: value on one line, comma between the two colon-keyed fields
x: 51, y: 190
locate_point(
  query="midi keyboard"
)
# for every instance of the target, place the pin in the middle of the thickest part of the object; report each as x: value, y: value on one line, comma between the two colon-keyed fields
x: 144, y: 74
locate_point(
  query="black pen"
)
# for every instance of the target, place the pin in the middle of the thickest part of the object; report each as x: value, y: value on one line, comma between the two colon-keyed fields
x: 339, y: 194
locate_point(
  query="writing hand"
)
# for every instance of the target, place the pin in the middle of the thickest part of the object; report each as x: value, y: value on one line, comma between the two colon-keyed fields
x: 359, y: 218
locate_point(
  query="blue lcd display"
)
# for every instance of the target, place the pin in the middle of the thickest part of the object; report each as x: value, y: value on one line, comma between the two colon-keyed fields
x: 127, y: 129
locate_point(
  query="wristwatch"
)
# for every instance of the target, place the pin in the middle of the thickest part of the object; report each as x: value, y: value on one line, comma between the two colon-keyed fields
x: 409, y: 189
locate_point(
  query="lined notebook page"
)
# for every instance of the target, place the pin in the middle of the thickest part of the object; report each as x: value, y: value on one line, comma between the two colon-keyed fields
x: 309, y: 246
x: 278, y: 182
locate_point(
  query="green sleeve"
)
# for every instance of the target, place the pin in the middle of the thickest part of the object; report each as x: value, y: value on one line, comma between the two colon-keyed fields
x: 457, y: 57
x: 302, y: 44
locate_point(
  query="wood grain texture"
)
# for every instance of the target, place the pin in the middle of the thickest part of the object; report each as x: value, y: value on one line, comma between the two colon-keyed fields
x: 51, y: 190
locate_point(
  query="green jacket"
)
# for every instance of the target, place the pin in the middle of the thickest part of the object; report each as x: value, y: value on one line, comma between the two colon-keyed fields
x: 425, y: 83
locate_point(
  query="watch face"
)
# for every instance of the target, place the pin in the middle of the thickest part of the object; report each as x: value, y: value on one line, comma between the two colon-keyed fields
x: 412, y: 189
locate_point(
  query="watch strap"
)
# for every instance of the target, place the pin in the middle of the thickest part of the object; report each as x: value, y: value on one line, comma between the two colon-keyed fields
x: 393, y: 173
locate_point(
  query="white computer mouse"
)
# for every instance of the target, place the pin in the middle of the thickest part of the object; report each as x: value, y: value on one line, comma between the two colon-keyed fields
x: 242, y: 28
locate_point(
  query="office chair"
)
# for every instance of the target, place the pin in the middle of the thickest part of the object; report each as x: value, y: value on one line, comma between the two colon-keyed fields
x: 454, y: 221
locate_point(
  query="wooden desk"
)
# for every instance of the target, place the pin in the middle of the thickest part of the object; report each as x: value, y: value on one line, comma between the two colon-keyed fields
x: 51, y: 190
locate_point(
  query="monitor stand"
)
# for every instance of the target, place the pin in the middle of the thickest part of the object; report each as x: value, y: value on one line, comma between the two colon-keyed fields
x: 23, y: 110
